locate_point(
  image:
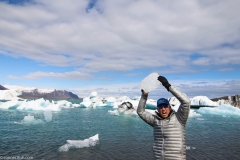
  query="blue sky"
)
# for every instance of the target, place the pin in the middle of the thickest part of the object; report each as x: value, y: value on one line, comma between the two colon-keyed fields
x: 111, y: 46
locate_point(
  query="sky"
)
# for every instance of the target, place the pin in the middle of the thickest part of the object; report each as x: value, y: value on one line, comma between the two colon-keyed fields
x: 111, y: 46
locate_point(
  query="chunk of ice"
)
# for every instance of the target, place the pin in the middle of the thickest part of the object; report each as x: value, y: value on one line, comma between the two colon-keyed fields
x: 48, y: 115
x: 31, y: 120
x: 222, y: 110
x: 28, y: 119
x: 93, y: 94
x: 92, y: 141
x: 150, y: 83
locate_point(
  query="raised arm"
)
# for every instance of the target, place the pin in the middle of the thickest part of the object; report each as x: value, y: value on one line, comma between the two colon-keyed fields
x: 146, y: 116
x: 184, y: 108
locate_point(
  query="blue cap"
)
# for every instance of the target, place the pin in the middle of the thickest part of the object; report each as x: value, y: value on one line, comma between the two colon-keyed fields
x: 162, y: 101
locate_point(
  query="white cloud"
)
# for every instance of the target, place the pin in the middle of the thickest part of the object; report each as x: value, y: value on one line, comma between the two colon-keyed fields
x: 124, y: 35
x: 67, y: 75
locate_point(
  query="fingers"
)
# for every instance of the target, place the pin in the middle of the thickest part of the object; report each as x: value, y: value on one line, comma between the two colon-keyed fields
x: 143, y: 92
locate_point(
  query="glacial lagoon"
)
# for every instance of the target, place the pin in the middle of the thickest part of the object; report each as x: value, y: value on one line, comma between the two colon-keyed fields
x: 210, y: 133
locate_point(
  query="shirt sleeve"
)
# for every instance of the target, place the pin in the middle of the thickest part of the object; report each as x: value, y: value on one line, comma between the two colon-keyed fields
x: 184, y: 108
x: 146, y: 116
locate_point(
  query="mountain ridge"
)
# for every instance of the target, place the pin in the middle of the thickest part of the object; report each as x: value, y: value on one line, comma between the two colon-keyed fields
x: 3, y: 88
x: 56, y: 94
x: 10, y: 92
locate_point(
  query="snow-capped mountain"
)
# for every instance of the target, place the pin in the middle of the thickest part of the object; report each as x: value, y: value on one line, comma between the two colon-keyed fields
x: 16, y: 92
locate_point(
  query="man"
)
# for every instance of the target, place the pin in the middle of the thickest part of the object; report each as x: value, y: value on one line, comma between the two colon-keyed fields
x: 169, y: 126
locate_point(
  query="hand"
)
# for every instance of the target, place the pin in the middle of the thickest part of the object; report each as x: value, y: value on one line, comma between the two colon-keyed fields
x: 143, y: 92
x: 164, y: 82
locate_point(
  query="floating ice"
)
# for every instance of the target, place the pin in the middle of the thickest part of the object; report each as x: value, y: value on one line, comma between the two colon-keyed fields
x: 28, y: 118
x: 93, y: 94
x: 37, y: 105
x: 115, y: 105
x: 100, y: 104
x: 110, y: 99
x: 31, y: 120
x: 11, y: 104
x: 86, y: 104
x: 93, y: 101
x: 189, y: 147
x: 151, y: 104
x: 223, y: 110
x: 115, y: 112
x: 48, y: 115
x: 150, y: 83
x: 192, y: 113
x: 42, y: 105
x: 92, y: 141
x: 203, y: 101
x: 64, y: 104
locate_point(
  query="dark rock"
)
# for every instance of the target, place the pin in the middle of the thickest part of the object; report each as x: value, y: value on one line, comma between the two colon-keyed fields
x: 232, y: 100
x: 3, y: 88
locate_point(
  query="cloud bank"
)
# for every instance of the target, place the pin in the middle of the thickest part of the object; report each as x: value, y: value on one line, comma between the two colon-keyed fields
x: 209, y: 88
x: 123, y: 35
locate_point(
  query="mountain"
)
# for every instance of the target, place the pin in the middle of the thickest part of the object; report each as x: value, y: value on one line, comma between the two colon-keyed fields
x: 54, y: 94
x: 3, y: 88
x: 9, y: 92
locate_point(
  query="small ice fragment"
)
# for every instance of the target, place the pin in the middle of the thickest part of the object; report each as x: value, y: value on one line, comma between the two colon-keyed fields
x: 28, y: 119
x: 31, y: 120
x: 188, y: 147
x: 92, y: 141
x: 48, y: 115
x: 150, y: 83
x: 113, y: 111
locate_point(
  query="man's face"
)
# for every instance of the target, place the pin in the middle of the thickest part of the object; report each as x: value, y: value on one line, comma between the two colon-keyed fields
x: 164, y: 112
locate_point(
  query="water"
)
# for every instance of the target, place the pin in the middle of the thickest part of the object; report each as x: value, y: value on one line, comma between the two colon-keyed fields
x: 208, y: 136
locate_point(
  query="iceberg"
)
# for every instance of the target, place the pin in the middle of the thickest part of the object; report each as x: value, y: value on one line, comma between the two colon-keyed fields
x: 114, y: 112
x: 31, y: 120
x: 64, y: 104
x: 92, y: 141
x: 223, y: 110
x: 192, y: 113
x: 150, y: 83
x: 110, y: 99
x: 151, y: 104
x: 28, y: 118
x: 37, y: 105
x: 48, y: 115
x: 92, y: 101
x: 13, y: 104
x: 202, y: 101
x: 93, y: 94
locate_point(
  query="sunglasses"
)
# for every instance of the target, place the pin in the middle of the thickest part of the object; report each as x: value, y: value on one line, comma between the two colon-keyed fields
x: 162, y: 105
